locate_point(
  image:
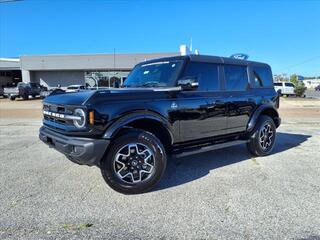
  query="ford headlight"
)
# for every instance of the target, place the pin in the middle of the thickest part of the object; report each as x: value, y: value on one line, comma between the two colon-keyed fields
x: 80, y: 120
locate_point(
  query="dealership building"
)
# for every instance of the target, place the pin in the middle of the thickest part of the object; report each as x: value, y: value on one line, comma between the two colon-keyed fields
x: 107, y: 70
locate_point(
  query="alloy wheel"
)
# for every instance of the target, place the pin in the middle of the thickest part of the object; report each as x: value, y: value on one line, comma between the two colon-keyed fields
x: 266, y: 136
x: 134, y: 163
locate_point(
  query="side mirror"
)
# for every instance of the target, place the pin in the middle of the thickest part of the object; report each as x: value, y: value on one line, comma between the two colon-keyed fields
x: 188, y: 83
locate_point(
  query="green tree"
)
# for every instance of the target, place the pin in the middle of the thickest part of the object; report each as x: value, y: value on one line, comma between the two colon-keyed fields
x: 299, y: 87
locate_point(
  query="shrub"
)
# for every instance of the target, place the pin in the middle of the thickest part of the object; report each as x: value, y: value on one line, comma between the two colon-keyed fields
x: 299, y: 88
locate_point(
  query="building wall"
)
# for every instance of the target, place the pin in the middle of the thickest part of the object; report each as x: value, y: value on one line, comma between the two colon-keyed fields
x: 88, y: 61
x: 53, y: 78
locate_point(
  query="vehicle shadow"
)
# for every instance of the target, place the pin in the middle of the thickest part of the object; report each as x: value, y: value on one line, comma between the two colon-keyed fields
x: 187, y: 169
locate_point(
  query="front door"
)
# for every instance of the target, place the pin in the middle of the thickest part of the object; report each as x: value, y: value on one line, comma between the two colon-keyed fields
x: 202, y: 112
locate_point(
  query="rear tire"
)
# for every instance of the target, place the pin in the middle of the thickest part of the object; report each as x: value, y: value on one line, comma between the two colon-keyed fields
x: 25, y: 97
x: 134, y: 163
x: 262, y: 138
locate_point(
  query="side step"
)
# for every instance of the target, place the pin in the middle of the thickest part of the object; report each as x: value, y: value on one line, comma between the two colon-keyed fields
x: 208, y: 148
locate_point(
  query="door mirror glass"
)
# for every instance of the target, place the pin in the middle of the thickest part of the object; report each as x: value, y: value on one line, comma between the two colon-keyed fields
x: 188, y: 83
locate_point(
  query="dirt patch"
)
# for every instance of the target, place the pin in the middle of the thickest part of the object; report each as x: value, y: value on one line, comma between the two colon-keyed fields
x: 20, y: 109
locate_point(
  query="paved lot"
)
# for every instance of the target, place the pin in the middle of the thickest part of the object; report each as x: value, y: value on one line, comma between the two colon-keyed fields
x: 225, y: 194
x: 313, y: 94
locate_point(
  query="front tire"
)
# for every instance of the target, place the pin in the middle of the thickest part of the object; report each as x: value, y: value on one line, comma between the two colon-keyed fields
x: 135, y: 162
x: 262, y: 138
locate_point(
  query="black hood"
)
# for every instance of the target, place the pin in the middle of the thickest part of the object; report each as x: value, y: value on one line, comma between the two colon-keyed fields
x: 83, y: 97
x: 73, y: 98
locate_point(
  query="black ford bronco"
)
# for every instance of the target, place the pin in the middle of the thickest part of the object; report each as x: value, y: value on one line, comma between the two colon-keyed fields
x: 173, y: 106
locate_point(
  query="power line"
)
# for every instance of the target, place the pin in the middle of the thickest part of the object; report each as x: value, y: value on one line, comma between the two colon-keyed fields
x: 301, y: 63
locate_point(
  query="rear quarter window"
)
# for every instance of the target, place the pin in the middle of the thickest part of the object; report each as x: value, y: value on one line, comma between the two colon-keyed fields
x: 262, y: 77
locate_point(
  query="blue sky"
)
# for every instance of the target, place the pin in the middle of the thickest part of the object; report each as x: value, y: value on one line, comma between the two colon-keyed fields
x: 285, y: 34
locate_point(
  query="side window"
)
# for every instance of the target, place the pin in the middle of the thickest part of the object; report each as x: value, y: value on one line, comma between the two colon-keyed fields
x: 278, y: 84
x: 288, y: 84
x: 206, y: 73
x: 262, y: 77
x: 236, y: 77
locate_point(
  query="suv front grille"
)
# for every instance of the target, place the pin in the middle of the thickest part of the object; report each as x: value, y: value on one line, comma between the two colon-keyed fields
x: 57, y: 114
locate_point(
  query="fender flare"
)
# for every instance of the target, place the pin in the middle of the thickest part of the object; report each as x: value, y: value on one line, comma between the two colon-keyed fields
x: 141, y: 115
x: 255, y: 116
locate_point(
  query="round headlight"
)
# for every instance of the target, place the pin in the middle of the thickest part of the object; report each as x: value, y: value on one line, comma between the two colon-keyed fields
x: 82, y: 122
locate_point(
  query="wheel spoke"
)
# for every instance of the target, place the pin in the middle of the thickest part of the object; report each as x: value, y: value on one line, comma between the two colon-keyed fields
x: 134, y: 163
x: 266, y: 136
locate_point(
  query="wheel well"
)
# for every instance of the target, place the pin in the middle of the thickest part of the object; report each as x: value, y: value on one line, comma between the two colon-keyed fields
x: 152, y: 126
x: 273, y: 114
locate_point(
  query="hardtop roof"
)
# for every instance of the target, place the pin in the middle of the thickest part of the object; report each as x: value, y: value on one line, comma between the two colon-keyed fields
x: 210, y: 59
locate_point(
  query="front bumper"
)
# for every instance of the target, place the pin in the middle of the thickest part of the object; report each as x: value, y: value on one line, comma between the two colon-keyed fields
x: 85, y: 151
x: 11, y: 95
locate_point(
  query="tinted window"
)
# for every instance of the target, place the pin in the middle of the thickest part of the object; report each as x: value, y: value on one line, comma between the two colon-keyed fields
x: 206, y: 74
x: 288, y: 84
x: 236, y: 77
x: 278, y: 84
x: 154, y: 74
x: 262, y: 77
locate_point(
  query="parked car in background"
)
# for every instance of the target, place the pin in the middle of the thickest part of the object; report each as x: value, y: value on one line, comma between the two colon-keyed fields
x: 284, y: 88
x: 317, y: 88
x: 1, y: 91
x: 24, y: 90
x: 59, y: 90
x: 51, y: 91
x: 75, y: 88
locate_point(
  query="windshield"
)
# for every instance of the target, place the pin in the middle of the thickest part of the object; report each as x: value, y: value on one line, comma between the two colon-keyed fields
x: 155, y: 74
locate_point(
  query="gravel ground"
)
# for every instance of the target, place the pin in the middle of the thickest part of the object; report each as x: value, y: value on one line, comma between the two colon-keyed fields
x: 224, y: 194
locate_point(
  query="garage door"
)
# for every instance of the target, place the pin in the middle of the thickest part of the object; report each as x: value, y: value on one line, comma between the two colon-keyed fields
x: 53, y: 78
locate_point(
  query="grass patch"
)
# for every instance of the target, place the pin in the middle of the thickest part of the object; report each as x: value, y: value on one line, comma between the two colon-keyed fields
x: 82, y: 226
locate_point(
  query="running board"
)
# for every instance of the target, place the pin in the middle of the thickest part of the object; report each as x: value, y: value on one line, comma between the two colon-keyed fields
x: 208, y: 148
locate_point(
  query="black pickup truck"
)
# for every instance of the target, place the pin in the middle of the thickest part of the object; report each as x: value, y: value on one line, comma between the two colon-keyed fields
x: 23, y: 90
x: 173, y: 106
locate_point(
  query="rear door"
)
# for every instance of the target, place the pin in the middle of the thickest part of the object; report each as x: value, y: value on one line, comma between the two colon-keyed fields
x: 202, y: 111
x: 240, y: 103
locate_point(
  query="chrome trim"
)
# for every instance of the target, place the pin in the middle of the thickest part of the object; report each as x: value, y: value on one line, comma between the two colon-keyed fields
x: 61, y: 116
